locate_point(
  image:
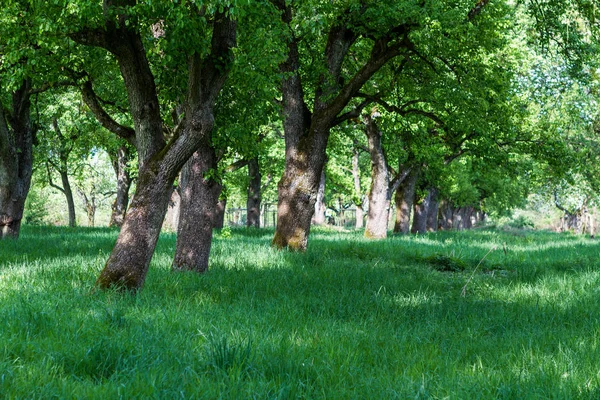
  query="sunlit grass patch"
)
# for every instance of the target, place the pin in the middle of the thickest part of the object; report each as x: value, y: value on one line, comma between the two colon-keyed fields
x: 349, y: 318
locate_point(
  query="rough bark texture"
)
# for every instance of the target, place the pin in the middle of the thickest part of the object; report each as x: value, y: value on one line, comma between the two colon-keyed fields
x: 379, y: 194
x: 199, y: 197
x: 120, y: 163
x: 433, y: 210
x: 404, y: 199
x: 421, y: 207
x: 172, y: 218
x: 16, y: 160
x: 254, y: 194
x: 320, y: 209
x: 159, y: 162
x: 306, y: 132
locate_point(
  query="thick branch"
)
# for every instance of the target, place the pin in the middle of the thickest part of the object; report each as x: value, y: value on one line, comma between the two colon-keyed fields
x: 91, y: 100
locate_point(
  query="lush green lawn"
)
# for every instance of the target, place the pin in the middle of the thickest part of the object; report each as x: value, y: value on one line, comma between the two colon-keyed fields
x: 348, y: 319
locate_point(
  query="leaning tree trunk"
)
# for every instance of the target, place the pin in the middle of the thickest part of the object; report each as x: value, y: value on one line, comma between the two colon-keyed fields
x: 16, y: 161
x: 160, y: 162
x: 199, y: 197
x: 254, y: 194
x: 379, y: 194
x: 120, y: 162
x: 68, y: 192
x: 421, y: 206
x: 320, y: 209
x: 404, y: 199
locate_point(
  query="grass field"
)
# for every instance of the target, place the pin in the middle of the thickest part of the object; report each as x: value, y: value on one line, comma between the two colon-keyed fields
x: 480, y: 314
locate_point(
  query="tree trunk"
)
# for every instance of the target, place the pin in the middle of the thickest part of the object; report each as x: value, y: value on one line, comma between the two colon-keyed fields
x: 200, y: 192
x: 405, y: 195
x: 172, y: 219
x: 379, y: 194
x: 254, y: 194
x: 68, y: 192
x: 128, y: 263
x: 159, y: 162
x: 421, y: 206
x: 306, y: 132
x: 219, y: 221
x: 16, y: 161
x: 320, y: 209
x: 120, y: 162
x: 433, y: 211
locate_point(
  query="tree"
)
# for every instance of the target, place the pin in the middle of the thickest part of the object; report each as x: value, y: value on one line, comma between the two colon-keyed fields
x: 332, y: 66
x: 124, y: 29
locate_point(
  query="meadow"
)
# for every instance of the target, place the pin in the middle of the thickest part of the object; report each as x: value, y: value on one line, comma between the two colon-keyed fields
x: 458, y: 315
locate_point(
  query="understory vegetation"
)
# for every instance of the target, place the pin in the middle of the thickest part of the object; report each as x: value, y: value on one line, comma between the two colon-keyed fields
x: 475, y: 314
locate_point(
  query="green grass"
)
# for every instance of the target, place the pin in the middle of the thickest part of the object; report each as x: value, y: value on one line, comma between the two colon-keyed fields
x: 347, y: 319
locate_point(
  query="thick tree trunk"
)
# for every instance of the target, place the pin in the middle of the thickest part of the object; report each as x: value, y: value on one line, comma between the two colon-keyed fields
x: 128, y: 263
x: 306, y: 132
x: 421, y: 207
x: 120, y: 162
x: 16, y: 161
x: 199, y: 197
x: 379, y: 194
x: 254, y: 194
x: 320, y: 209
x: 297, y: 194
x: 433, y: 211
x: 159, y: 162
x: 404, y: 199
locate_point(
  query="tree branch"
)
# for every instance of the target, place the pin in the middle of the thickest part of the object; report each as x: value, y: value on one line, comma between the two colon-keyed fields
x: 91, y: 100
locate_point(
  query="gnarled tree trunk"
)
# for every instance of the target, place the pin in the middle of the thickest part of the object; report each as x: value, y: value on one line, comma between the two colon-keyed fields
x: 16, y: 160
x: 159, y: 162
x: 200, y: 192
x: 307, y: 132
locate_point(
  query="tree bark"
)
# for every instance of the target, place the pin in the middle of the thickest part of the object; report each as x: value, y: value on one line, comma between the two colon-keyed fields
x: 379, y: 194
x: 200, y: 190
x: 421, y: 206
x: 254, y: 194
x: 433, y: 210
x: 404, y: 199
x: 320, y: 209
x: 172, y: 218
x: 120, y: 162
x: 16, y: 160
x: 68, y: 192
x: 160, y: 162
